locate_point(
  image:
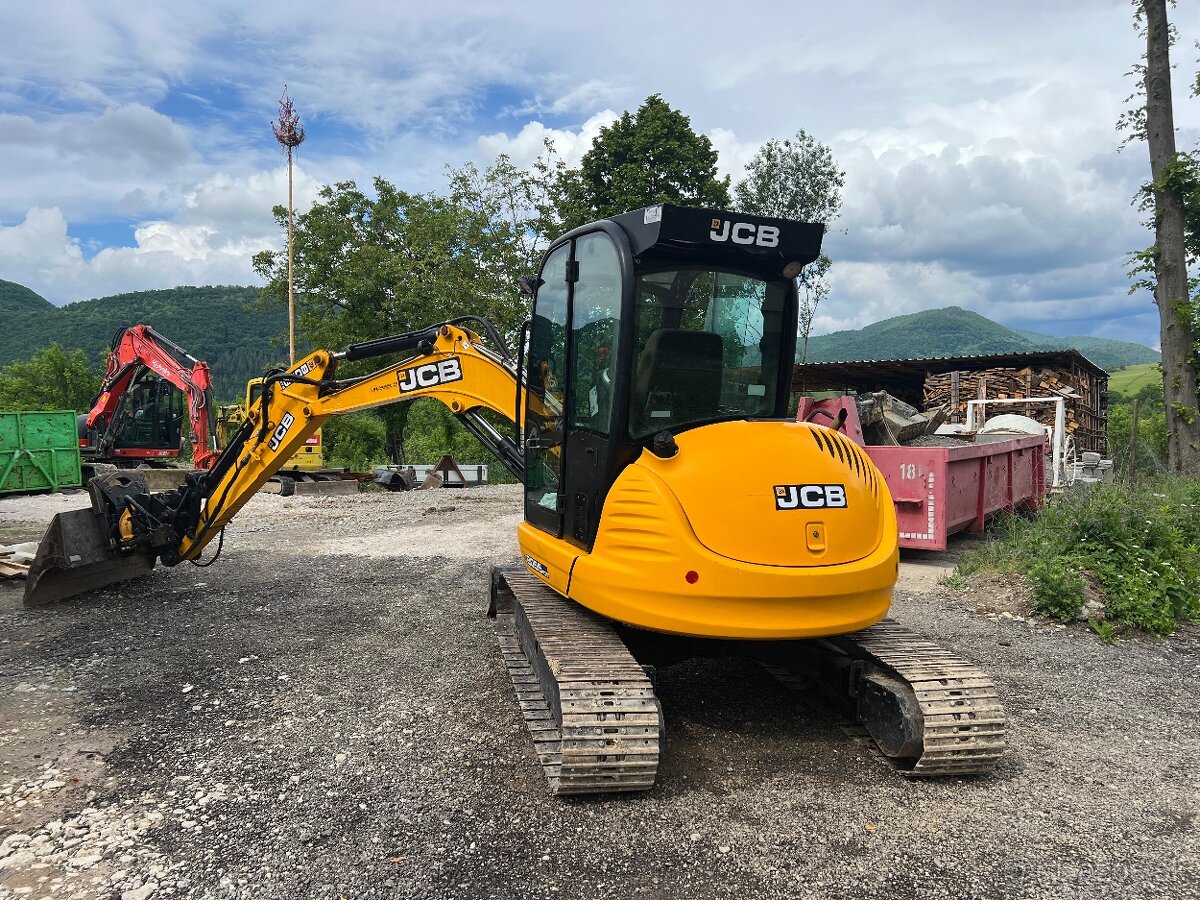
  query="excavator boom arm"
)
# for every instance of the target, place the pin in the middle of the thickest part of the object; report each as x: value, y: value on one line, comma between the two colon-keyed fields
x: 453, y: 367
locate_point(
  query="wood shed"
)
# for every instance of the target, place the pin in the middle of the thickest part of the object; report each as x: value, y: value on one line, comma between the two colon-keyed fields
x: 953, y: 380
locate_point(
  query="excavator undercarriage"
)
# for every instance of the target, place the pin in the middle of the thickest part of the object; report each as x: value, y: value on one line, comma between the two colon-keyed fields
x: 590, y: 707
x: 597, y: 726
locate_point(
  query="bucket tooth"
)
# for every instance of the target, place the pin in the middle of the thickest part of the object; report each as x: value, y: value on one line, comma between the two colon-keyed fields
x: 74, y: 557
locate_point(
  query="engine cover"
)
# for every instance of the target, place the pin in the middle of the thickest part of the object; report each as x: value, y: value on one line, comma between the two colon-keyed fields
x: 777, y: 493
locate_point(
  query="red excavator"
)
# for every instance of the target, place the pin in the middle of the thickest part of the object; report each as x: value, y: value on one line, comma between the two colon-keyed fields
x: 138, y: 415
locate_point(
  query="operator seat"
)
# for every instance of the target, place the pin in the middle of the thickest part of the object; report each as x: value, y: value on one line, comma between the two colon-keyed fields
x: 677, y: 379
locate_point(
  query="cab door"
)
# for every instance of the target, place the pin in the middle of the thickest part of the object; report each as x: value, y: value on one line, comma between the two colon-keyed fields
x: 546, y: 397
x: 573, y: 400
x: 596, y: 391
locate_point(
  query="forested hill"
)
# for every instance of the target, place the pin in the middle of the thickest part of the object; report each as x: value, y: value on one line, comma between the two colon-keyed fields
x: 222, y: 325
x: 954, y: 331
x: 16, y: 299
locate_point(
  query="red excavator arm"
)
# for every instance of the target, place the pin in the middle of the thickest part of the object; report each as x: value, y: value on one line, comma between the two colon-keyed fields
x: 140, y: 350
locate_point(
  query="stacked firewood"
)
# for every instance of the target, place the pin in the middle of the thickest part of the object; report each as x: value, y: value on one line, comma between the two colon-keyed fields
x: 1012, y: 384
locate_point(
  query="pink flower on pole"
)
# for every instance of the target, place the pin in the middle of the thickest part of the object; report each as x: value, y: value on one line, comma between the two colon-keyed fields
x: 288, y: 130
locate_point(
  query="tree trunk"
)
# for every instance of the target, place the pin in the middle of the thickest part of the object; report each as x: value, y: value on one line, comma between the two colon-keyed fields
x: 1170, y: 270
x: 396, y: 419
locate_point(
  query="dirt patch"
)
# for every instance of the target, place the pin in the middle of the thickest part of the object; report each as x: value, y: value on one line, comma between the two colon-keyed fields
x: 26, y: 512
x: 995, y: 593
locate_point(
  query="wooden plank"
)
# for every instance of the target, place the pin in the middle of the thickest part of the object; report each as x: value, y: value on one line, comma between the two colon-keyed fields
x: 13, y: 570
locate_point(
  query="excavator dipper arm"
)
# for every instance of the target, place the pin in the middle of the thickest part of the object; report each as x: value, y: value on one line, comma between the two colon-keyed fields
x: 454, y: 367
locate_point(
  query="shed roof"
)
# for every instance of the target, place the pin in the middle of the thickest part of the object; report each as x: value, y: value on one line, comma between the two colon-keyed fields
x: 909, y: 374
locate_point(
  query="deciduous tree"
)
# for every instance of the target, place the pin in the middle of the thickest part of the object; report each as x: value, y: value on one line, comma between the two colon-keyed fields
x: 1154, y: 122
x: 53, y: 378
x: 796, y: 178
x: 511, y: 217
x: 368, y: 266
x: 652, y: 156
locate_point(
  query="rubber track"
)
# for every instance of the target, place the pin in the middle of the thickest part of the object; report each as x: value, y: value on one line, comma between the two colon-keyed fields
x: 589, y: 706
x: 964, y: 722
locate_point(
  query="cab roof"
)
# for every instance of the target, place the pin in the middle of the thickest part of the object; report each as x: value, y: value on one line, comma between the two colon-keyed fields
x: 733, y: 238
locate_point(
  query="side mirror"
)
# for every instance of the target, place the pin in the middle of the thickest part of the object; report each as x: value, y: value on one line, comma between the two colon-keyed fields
x: 528, y: 285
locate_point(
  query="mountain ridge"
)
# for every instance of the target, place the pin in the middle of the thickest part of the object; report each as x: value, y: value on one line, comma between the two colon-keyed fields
x: 954, y: 331
x: 225, y: 326
x: 221, y: 324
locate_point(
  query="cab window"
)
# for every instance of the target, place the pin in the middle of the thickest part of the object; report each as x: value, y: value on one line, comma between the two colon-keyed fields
x: 709, y: 348
x: 596, y: 311
x: 546, y: 377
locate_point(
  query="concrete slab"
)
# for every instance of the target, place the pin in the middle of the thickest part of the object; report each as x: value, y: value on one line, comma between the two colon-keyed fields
x: 921, y: 570
x: 921, y: 577
x: 326, y: 488
x: 165, y: 479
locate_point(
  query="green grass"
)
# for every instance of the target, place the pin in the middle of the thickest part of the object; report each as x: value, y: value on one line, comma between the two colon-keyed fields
x: 1131, y: 379
x: 1137, y: 542
x: 18, y: 535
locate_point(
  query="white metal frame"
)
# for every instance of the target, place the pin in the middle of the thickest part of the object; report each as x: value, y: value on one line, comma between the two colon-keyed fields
x: 1058, y: 434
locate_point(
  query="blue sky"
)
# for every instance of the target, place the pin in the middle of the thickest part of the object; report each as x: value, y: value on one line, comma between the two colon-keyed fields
x: 978, y: 139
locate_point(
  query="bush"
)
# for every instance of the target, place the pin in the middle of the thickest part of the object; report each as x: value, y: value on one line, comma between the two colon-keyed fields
x: 1139, y: 541
x: 1152, y: 438
x: 433, y: 430
x: 1057, y: 589
x: 357, y: 441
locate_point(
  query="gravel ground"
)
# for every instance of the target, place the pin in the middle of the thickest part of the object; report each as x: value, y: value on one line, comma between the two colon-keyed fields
x: 323, y: 713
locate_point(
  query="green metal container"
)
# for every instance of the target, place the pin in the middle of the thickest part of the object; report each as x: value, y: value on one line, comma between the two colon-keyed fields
x: 39, y: 451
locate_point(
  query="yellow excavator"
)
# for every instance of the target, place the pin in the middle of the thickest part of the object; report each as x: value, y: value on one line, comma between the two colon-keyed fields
x: 671, y: 507
x: 309, y: 458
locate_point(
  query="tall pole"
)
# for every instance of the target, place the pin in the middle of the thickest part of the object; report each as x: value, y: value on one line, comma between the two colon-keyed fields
x: 1133, y: 442
x: 291, y: 288
x: 290, y: 133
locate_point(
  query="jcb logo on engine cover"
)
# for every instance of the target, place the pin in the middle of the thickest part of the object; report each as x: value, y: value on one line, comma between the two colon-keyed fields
x: 810, y: 496
x: 428, y: 375
x: 744, y: 233
x: 281, y: 431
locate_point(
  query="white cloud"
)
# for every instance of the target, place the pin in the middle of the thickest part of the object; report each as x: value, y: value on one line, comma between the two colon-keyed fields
x: 733, y: 153
x: 220, y: 224
x: 38, y: 248
x: 84, y: 162
x: 528, y: 144
x: 575, y: 98
x: 865, y: 292
x: 979, y: 145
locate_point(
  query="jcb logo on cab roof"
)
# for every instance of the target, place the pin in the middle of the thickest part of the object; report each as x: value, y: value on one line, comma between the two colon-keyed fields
x: 744, y: 233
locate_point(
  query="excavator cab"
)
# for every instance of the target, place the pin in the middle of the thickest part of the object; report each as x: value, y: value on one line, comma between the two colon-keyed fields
x: 151, y: 417
x: 145, y: 396
x: 646, y: 325
x: 665, y: 486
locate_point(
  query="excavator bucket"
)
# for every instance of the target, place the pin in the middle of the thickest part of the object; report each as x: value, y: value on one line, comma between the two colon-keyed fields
x: 74, y: 557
